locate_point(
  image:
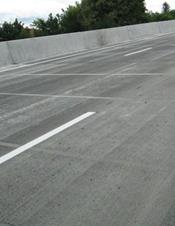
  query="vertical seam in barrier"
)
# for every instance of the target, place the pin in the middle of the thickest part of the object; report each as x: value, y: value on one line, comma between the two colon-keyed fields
x: 10, y: 53
x: 128, y: 33
x: 159, y: 27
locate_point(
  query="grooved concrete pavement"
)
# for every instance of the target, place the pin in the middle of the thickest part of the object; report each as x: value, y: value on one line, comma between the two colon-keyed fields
x: 115, y: 168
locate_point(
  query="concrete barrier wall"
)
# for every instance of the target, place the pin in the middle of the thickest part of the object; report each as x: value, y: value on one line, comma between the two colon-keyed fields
x: 143, y: 30
x: 113, y: 35
x: 5, y: 58
x: 166, y: 26
x: 27, y: 50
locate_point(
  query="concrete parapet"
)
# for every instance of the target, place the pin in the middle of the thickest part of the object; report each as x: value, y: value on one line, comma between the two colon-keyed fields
x: 33, y: 49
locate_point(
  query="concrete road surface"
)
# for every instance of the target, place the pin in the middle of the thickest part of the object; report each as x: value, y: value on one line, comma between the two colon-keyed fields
x: 89, y: 139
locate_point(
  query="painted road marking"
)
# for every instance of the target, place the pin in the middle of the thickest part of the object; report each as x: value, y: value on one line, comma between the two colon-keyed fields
x: 61, y: 96
x: 44, y: 137
x: 140, y: 51
x: 70, y: 97
x: 92, y: 74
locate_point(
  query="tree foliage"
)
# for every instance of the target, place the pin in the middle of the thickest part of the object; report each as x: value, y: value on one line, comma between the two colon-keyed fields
x: 165, y: 7
x: 87, y: 15
x: 51, y: 26
x: 166, y: 14
x: 103, y: 13
x: 71, y: 19
x: 15, y: 30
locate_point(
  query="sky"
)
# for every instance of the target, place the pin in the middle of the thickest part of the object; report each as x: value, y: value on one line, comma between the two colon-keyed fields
x: 28, y: 10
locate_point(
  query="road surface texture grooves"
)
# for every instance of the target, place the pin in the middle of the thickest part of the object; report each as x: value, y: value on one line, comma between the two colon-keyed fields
x: 115, y: 168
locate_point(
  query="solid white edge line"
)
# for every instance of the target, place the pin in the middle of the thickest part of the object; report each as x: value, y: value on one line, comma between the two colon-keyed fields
x: 44, y: 137
x: 139, y: 51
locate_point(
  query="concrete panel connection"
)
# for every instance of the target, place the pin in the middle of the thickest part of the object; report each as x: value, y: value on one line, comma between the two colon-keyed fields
x: 143, y: 30
x: 166, y: 26
x: 5, y: 58
x: 28, y: 50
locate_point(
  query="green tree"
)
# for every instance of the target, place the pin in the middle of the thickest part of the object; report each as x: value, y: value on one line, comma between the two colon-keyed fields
x: 165, y: 7
x: 51, y: 26
x: 103, y: 13
x: 6, y: 31
x: 87, y: 15
x: 153, y: 17
x: 10, y: 31
x: 39, y: 27
x: 71, y: 19
x: 25, y: 33
x: 166, y: 14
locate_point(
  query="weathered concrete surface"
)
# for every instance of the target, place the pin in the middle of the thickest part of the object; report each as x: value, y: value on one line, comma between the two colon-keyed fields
x: 115, y: 168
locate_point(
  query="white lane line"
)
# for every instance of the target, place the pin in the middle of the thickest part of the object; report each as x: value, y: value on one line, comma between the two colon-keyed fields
x: 44, y: 137
x: 64, y: 74
x: 138, y: 74
x: 139, y: 51
x: 59, y: 96
x: 97, y: 74
x: 73, y: 97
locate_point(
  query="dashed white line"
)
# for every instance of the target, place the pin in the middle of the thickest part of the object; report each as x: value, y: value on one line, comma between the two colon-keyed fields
x: 139, y: 51
x: 44, y: 137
